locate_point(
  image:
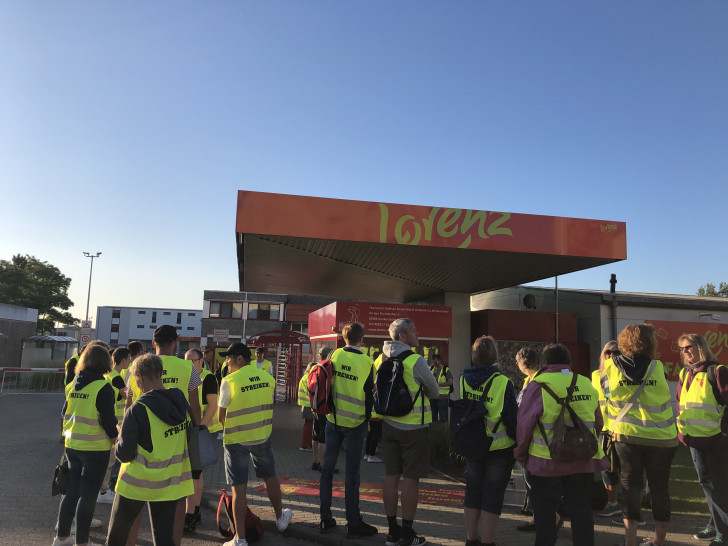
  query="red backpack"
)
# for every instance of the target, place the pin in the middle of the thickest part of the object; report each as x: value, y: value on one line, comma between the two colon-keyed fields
x: 226, y: 523
x: 319, y: 388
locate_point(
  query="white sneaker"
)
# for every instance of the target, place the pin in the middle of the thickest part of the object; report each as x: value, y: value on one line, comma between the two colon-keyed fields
x: 95, y: 524
x: 69, y: 541
x: 283, y: 521
x: 106, y: 498
x: 373, y: 459
x: 236, y: 542
x: 366, y: 458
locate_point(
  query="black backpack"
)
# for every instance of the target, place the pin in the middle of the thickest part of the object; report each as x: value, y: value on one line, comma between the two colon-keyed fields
x: 467, y: 425
x: 391, y: 394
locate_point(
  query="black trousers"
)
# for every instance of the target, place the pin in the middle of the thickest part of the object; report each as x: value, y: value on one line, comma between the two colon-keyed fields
x: 125, y: 511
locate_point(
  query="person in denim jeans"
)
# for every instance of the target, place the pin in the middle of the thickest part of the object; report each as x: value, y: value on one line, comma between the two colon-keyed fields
x: 89, y: 428
x: 703, y: 428
x: 352, y: 388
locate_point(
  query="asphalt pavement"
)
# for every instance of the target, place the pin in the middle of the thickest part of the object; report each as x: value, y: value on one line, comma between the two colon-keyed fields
x: 30, y: 450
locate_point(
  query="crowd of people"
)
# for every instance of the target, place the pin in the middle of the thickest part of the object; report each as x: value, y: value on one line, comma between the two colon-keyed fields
x: 127, y: 412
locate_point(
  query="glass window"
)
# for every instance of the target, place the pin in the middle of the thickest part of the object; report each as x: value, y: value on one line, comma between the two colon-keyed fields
x: 179, y: 318
x: 214, y: 309
x: 116, y: 313
x: 154, y: 316
x: 225, y: 309
x: 167, y: 313
x: 191, y: 314
x: 264, y: 311
x: 142, y: 312
x: 190, y: 327
x: 114, y: 327
x: 140, y: 326
x: 237, y: 311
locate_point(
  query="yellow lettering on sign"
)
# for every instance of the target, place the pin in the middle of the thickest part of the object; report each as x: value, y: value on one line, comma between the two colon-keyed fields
x: 717, y: 341
x: 447, y: 223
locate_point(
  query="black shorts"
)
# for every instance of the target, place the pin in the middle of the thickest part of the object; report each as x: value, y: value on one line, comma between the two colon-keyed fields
x: 319, y: 429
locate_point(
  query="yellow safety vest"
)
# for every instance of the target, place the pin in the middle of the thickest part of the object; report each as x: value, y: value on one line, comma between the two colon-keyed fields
x: 81, y: 427
x: 651, y: 418
x: 163, y: 474
x: 118, y: 404
x: 700, y: 413
x: 493, y: 407
x: 351, y: 371
x: 263, y: 364
x: 176, y: 372
x: 303, y: 399
x: 249, y: 417
x: 441, y: 377
x: 596, y: 383
x: 215, y: 425
x: 584, y: 403
x: 422, y: 404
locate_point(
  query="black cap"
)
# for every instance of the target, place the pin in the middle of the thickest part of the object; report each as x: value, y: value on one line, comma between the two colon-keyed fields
x: 237, y: 349
x: 165, y: 333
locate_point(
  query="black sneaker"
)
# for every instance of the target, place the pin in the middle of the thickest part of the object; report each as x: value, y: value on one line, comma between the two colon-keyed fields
x: 393, y: 536
x: 316, y: 466
x: 411, y: 538
x: 327, y: 526
x: 189, y: 526
x: 705, y: 534
x: 361, y: 529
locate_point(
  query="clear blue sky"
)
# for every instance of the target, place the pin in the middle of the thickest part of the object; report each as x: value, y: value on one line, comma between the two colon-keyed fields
x: 128, y: 128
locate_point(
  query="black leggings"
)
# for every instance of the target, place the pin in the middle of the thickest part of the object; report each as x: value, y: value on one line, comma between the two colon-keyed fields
x: 125, y: 511
x: 637, y: 460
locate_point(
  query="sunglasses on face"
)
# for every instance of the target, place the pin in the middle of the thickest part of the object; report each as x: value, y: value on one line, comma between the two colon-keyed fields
x: 610, y: 353
x: 686, y: 348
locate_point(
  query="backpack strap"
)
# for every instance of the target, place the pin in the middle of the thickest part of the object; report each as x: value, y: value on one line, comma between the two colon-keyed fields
x: 714, y: 382
x: 563, y: 402
x: 634, y: 396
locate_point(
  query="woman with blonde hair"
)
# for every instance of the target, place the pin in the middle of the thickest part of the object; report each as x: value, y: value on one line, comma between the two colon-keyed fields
x: 89, y: 429
x: 610, y: 477
x: 702, y: 394
x: 641, y: 417
x: 488, y: 476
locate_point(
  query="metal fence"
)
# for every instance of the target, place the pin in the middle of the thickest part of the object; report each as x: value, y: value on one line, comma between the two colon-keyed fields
x: 32, y: 380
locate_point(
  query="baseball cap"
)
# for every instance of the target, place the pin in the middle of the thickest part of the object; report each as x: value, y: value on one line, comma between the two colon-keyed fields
x: 237, y: 349
x: 324, y: 352
x: 165, y: 333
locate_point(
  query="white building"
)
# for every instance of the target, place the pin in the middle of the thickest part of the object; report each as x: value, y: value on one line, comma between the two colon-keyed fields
x: 117, y: 326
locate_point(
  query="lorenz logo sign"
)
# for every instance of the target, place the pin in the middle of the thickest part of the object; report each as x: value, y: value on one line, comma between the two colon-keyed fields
x: 669, y: 332
x: 396, y: 224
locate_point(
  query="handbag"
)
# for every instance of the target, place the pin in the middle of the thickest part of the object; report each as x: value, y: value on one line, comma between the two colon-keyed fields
x: 60, y: 477
x: 201, y: 448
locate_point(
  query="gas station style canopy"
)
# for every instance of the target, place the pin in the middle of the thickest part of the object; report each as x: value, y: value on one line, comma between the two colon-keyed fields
x: 386, y: 252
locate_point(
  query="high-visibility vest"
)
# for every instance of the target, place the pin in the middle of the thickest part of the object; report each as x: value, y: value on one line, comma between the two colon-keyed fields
x: 118, y: 404
x: 596, y: 383
x: 651, y: 416
x: 584, y: 403
x: 266, y: 364
x: 493, y: 407
x: 351, y: 371
x: 249, y: 417
x: 441, y: 378
x: 176, y: 372
x: 422, y: 409
x: 76, y: 356
x: 303, y: 399
x: 700, y: 413
x: 214, y: 425
x: 163, y: 474
x: 81, y: 427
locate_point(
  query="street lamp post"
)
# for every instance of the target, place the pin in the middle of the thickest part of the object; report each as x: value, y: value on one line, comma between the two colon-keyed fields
x: 92, y: 256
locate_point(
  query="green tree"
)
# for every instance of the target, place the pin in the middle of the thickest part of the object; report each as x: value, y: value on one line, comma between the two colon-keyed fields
x: 29, y: 282
x: 708, y: 289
